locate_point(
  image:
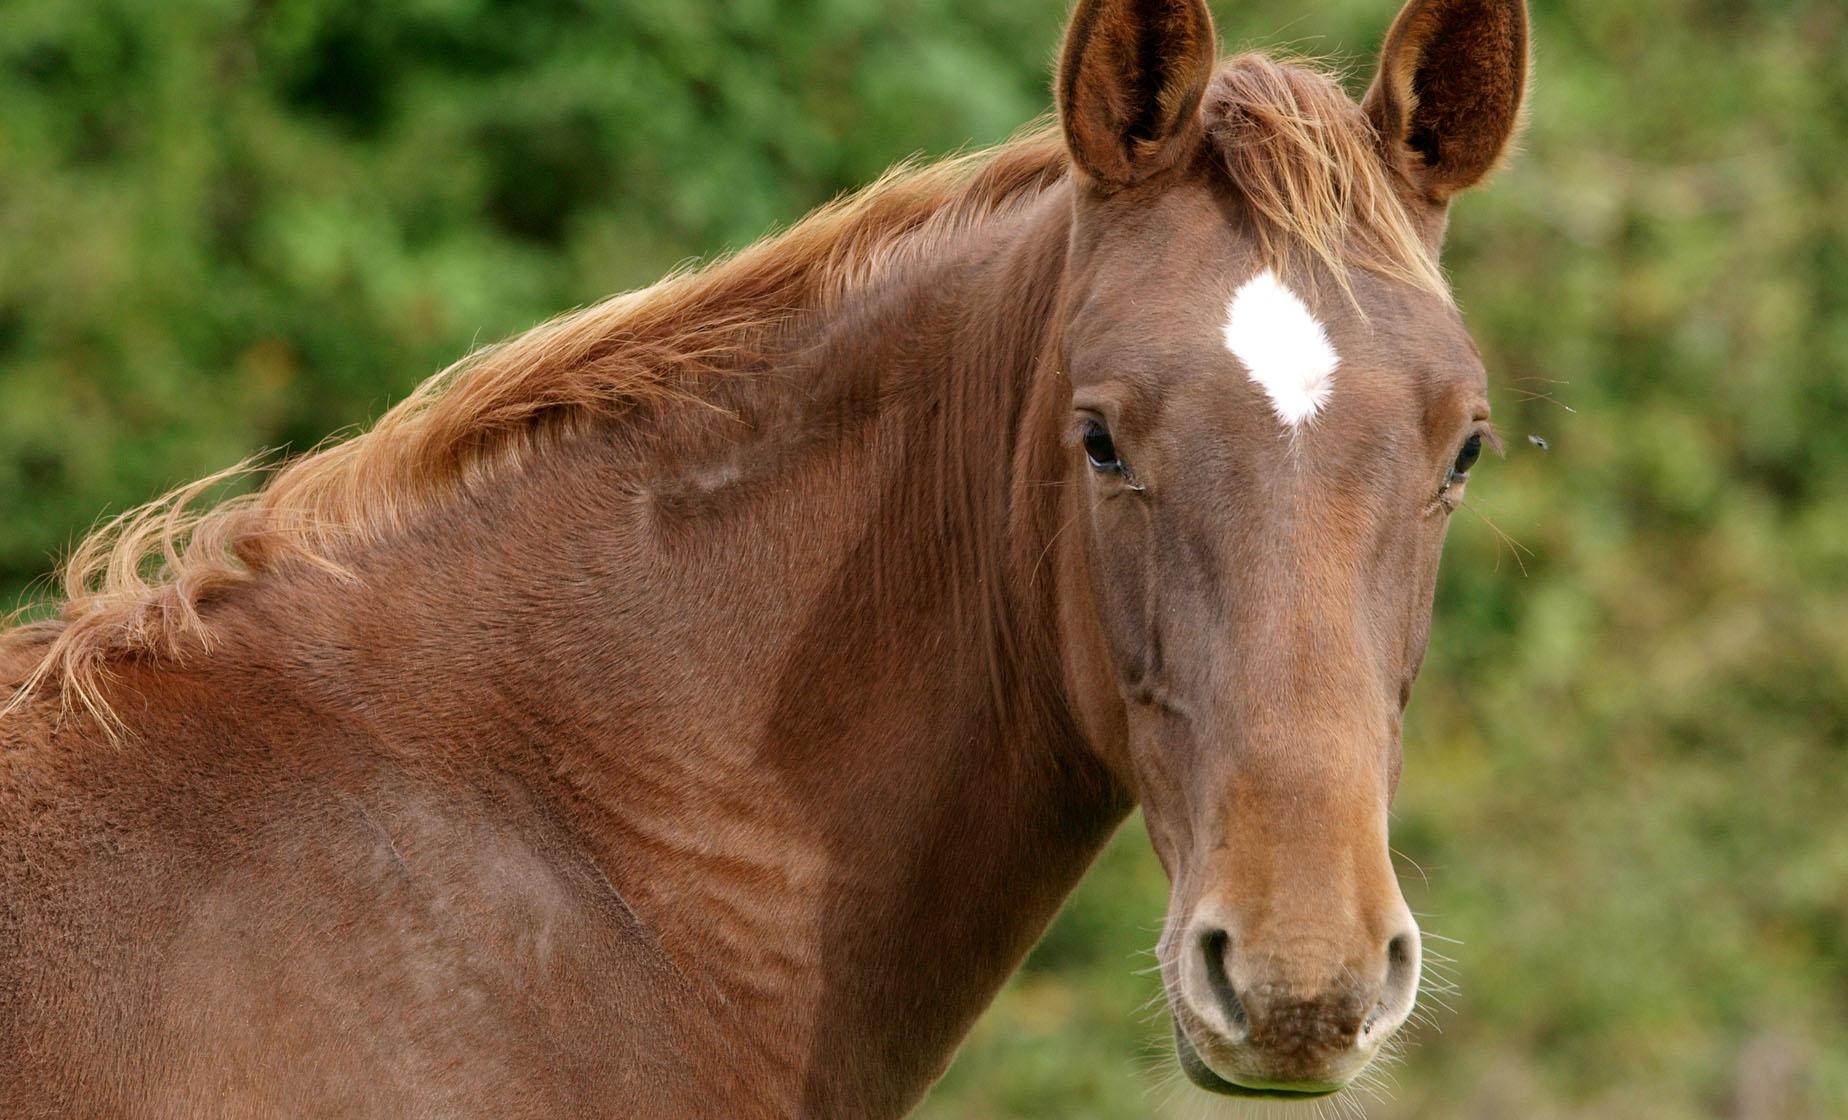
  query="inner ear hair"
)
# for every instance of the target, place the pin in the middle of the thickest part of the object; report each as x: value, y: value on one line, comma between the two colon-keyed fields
x: 1131, y: 78
x: 1448, y: 95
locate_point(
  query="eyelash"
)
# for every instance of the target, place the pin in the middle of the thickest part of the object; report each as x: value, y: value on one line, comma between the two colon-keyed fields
x: 1467, y: 457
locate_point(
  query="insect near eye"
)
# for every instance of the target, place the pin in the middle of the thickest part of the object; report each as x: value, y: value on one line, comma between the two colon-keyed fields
x: 1100, y: 448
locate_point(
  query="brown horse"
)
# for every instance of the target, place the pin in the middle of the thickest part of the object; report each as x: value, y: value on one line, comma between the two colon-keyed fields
x: 697, y: 705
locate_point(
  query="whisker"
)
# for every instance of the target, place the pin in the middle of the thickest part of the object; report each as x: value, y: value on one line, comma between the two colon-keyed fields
x: 1515, y: 547
x: 1052, y: 540
x: 1532, y: 395
x: 1413, y: 862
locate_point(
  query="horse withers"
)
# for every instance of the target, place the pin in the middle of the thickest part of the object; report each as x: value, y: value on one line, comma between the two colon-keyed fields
x: 697, y: 705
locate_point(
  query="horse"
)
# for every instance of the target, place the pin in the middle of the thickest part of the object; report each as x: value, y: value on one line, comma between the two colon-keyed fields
x: 698, y: 704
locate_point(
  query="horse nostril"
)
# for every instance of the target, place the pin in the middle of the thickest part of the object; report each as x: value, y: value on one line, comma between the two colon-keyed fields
x: 1213, y: 946
x: 1400, y: 988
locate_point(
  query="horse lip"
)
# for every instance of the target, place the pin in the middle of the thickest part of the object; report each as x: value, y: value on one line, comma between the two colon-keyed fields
x: 1207, y: 1078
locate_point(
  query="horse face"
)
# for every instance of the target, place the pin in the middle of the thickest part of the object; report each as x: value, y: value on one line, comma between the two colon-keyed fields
x: 1267, y: 442
x: 1266, y: 478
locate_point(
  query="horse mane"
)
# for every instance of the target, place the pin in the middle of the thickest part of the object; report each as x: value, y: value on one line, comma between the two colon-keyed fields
x: 1295, y: 146
x: 1309, y: 165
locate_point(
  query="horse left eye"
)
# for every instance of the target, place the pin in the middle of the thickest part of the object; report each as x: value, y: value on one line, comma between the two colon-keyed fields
x: 1466, y: 458
x: 1100, y: 448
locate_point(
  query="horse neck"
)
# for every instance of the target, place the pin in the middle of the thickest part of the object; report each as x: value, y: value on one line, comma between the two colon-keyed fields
x: 793, y: 671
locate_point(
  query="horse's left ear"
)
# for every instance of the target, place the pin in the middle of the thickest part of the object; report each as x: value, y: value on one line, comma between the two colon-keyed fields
x: 1447, y: 98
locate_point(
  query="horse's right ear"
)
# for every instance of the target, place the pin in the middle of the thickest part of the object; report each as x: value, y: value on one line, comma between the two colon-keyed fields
x: 1131, y: 78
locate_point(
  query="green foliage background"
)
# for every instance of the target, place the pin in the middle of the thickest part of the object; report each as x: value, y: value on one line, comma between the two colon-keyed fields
x: 228, y: 225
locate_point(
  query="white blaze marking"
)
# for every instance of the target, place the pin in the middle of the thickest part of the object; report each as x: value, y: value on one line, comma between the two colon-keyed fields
x: 1283, y: 347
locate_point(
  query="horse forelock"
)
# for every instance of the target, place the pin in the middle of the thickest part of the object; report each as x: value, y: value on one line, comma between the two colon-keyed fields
x: 1307, y: 163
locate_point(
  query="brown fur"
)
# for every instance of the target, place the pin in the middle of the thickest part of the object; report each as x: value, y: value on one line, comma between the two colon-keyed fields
x: 1130, y: 111
x: 1448, y: 95
x: 697, y: 705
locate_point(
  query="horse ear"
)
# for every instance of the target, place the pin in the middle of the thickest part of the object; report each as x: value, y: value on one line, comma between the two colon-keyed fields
x: 1131, y: 78
x: 1447, y: 98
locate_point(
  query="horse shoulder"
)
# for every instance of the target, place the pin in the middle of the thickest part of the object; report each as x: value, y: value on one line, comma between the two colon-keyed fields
x: 277, y: 910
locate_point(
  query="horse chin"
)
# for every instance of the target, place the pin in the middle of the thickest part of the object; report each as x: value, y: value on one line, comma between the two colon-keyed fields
x: 1202, y: 1075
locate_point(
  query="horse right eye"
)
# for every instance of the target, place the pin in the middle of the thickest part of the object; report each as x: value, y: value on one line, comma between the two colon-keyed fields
x: 1466, y: 458
x: 1100, y: 448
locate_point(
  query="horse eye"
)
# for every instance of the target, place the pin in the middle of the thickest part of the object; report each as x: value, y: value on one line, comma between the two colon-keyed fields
x: 1466, y: 458
x: 1100, y: 448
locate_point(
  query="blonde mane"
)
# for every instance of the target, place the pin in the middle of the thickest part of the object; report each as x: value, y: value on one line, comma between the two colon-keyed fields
x: 1294, y: 144
x: 1308, y: 163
